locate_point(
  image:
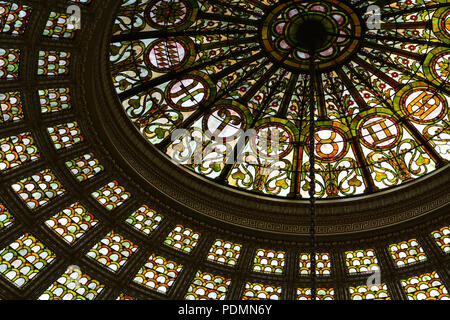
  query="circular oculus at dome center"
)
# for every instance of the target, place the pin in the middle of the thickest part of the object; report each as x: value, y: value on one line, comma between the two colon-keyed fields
x: 293, y: 31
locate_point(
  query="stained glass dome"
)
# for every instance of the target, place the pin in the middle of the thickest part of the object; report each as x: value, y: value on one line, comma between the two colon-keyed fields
x: 195, y: 77
x: 160, y: 149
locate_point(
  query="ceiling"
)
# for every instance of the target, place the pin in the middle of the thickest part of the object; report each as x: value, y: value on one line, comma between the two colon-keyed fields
x: 87, y: 190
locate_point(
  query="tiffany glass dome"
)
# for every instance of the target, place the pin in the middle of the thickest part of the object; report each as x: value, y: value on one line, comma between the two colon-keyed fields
x: 224, y: 149
x: 219, y: 69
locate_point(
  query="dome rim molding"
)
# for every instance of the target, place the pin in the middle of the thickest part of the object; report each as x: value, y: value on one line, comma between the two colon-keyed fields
x: 198, y: 198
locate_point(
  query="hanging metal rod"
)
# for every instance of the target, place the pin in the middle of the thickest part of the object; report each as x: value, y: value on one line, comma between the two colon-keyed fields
x: 312, y: 176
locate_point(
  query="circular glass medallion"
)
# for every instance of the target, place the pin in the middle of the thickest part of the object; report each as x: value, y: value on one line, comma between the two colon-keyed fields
x: 293, y: 31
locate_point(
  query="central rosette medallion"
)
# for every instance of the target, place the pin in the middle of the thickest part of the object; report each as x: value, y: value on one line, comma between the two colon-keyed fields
x: 293, y: 31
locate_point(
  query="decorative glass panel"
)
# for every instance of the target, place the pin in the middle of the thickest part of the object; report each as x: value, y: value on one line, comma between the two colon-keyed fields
x: 145, y: 219
x: 323, y: 264
x: 442, y: 238
x: 59, y: 26
x: 73, y: 285
x: 113, y: 251
x: 373, y: 293
x: 14, y: 17
x: 72, y: 223
x: 207, y: 286
x: 6, y: 218
x: 37, y: 190
x: 158, y: 273
x: 23, y: 259
x: 225, y: 252
x: 361, y: 261
x: 407, y: 252
x: 427, y: 286
x: 17, y: 150
x: 183, y: 239
x: 269, y: 261
x: 112, y: 195
x: 55, y: 100
x: 53, y: 63
x: 9, y: 64
x: 65, y: 135
x: 84, y: 167
x: 11, y: 107
x: 257, y: 291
